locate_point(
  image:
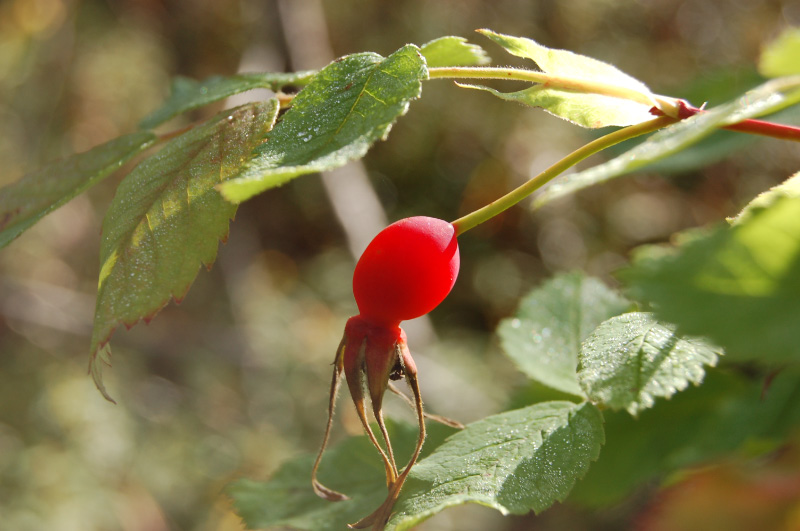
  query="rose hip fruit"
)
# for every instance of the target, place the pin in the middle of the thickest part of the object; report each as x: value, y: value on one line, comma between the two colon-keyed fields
x: 407, y: 270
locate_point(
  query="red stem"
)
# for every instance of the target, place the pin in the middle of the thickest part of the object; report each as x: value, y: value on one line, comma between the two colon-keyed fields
x: 754, y: 127
x: 760, y: 127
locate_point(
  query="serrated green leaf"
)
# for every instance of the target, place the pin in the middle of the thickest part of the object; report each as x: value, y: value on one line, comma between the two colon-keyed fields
x: 781, y: 57
x: 769, y: 97
x: 187, y: 94
x: 544, y: 336
x: 453, y: 51
x: 788, y: 188
x: 516, y: 462
x: 167, y: 219
x: 352, y: 467
x: 348, y: 106
x: 631, y: 359
x: 726, y: 414
x: 584, y: 109
x: 26, y: 201
x: 738, y: 285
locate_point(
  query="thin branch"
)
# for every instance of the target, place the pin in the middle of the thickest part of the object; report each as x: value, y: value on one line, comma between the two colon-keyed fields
x: 497, y: 206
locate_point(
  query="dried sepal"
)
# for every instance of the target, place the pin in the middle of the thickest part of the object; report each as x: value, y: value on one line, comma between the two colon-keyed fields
x: 378, y: 519
x: 355, y: 370
x: 321, y: 490
x: 370, y: 355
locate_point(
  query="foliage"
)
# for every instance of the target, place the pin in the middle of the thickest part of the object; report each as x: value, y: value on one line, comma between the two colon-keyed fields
x: 347, y: 107
x: 574, y: 103
x: 544, y: 337
x: 780, y: 57
x: 631, y: 359
x: 167, y: 219
x: 733, y: 279
x: 26, y: 201
x: 515, y: 462
x: 728, y: 415
x: 767, y: 98
x: 188, y: 94
x: 453, y: 51
x: 734, y: 285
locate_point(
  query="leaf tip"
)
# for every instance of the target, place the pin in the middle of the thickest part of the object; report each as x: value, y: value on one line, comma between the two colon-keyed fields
x: 101, y: 355
x: 229, y: 192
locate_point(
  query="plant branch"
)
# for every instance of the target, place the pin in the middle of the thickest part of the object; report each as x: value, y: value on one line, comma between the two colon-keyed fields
x: 497, y: 206
x: 755, y: 127
x: 669, y: 110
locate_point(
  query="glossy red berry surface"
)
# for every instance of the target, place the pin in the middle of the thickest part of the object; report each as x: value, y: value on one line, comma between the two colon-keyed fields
x: 407, y: 270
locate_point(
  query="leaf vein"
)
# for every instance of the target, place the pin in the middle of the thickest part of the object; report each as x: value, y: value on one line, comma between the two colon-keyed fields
x: 375, y: 97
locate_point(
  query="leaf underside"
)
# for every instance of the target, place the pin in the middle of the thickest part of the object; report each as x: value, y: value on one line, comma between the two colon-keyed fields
x: 544, y: 336
x: 515, y: 462
x: 167, y: 219
x: 631, y: 359
x: 348, y: 106
x: 769, y: 97
x: 26, y: 201
x: 738, y: 285
x: 584, y: 109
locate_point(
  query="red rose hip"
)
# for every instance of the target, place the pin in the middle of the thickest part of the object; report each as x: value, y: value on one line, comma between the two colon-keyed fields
x: 407, y: 270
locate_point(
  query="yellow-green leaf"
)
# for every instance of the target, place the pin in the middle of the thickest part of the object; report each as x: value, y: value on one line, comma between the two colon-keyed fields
x: 770, y: 97
x: 582, y: 108
x: 453, y: 51
x: 781, y: 57
x: 167, y: 219
x: 737, y: 284
x: 515, y: 462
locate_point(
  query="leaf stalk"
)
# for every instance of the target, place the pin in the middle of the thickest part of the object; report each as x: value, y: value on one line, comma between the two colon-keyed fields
x: 667, y: 105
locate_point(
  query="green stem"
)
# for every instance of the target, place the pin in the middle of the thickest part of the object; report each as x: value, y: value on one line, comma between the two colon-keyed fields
x: 497, y: 206
x: 572, y: 84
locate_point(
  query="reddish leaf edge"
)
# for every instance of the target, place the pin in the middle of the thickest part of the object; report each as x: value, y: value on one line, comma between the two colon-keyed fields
x: 102, y: 354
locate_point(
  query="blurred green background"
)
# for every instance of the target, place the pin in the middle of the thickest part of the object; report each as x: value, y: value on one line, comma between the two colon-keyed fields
x: 235, y: 379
